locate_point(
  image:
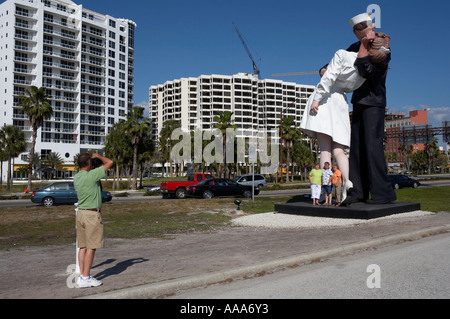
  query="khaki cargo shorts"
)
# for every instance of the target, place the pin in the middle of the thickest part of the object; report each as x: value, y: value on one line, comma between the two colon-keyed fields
x: 89, y: 229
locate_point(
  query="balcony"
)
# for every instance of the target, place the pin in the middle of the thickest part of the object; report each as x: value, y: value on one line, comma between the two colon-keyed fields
x: 101, y: 123
x: 23, y: 82
x: 25, y: 48
x: 99, y: 34
x: 61, y: 44
x: 59, y: 76
x: 61, y: 55
x: 61, y: 87
x: 93, y: 133
x: 84, y: 70
x: 24, y: 71
x: 93, y: 62
x: 61, y: 23
x: 25, y: 37
x: 93, y: 102
x: 25, y: 26
x: 96, y: 53
x: 58, y: 141
x: 63, y: 98
x: 61, y: 66
x: 25, y: 14
x: 96, y: 43
x: 97, y: 83
x: 60, y: 34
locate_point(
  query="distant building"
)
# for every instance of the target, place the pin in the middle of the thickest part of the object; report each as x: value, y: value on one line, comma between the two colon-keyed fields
x: 394, y: 123
x: 84, y: 59
x: 256, y: 104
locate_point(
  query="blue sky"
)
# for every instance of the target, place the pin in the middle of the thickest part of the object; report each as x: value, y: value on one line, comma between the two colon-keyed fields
x: 182, y: 38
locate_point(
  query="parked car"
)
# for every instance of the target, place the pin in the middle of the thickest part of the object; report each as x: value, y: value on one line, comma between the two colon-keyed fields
x: 220, y: 187
x: 260, y: 180
x: 399, y: 181
x: 61, y: 193
x: 153, y: 188
x: 178, y: 188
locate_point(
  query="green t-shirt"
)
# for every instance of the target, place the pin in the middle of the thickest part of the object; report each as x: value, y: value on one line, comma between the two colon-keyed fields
x: 88, y: 188
x: 316, y: 176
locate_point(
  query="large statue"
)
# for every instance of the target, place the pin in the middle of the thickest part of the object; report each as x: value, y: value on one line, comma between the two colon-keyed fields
x: 368, y: 170
x: 326, y: 116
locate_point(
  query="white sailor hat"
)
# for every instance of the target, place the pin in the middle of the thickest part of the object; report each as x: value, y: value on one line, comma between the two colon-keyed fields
x: 363, y: 17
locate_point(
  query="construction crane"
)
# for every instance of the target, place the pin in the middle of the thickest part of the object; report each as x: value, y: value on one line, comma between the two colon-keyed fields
x: 295, y: 74
x: 255, y: 68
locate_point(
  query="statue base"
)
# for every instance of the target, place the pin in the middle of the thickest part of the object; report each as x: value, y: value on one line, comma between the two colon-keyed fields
x: 354, y: 211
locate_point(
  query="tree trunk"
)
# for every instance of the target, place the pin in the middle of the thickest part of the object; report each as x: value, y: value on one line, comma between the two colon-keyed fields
x: 134, y: 183
x: 31, y: 159
x: 8, y: 179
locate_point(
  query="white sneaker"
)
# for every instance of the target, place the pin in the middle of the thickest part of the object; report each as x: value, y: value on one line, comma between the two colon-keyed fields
x: 88, y: 283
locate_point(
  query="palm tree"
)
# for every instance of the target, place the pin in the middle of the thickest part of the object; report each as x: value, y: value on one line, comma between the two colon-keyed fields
x: 223, y: 121
x: 36, y: 106
x: 303, y: 156
x: 117, y: 147
x: 146, y: 149
x: 13, y: 140
x: 35, y: 160
x: 432, y: 151
x: 137, y: 127
x: 53, y: 159
x: 290, y: 134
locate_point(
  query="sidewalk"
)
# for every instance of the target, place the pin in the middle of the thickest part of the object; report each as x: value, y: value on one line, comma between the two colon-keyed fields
x: 153, y: 268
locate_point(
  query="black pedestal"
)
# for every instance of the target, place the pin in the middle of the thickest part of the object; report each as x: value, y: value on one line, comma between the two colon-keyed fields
x: 355, y: 211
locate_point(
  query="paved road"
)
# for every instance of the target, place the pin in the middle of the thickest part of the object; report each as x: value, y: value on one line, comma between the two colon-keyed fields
x: 137, y: 197
x: 413, y: 270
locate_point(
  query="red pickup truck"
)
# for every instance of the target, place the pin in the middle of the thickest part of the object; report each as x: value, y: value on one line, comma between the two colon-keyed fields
x: 178, y: 188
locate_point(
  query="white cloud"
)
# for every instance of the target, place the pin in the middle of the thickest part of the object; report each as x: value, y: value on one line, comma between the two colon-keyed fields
x: 144, y: 104
x: 437, y: 115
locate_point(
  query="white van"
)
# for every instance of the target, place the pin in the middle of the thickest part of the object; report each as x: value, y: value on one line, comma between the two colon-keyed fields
x: 260, y: 180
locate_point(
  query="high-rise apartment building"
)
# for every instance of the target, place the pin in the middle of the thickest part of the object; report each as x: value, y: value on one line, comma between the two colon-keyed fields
x: 84, y: 59
x: 256, y: 104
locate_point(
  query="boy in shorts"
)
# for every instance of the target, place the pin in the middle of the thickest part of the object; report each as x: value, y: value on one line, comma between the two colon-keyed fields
x: 327, y: 173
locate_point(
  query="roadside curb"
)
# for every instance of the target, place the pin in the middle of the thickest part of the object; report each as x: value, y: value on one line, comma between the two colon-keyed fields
x: 171, y: 287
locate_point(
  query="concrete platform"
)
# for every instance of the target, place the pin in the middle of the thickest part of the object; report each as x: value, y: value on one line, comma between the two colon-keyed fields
x: 355, y: 211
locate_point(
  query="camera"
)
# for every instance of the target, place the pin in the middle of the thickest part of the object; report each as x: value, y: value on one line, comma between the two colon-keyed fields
x: 96, y: 163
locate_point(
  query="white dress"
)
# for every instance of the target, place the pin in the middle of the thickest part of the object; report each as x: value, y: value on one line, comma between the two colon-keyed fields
x: 333, y: 117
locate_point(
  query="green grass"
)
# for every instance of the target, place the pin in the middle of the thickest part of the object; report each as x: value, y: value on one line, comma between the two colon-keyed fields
x: 433, y: 199
x: 40, y: 226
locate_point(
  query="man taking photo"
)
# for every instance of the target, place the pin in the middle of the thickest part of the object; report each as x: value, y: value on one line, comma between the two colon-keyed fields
x: 89, y: 219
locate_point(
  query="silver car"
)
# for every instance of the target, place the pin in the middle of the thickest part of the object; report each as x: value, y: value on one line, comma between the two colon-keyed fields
x: 260, y: 180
